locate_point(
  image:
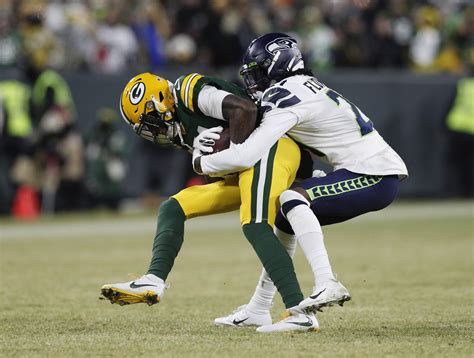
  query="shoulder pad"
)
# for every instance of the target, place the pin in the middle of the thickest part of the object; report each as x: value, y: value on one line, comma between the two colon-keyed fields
x: 186, y: 91
x: 278, y: 97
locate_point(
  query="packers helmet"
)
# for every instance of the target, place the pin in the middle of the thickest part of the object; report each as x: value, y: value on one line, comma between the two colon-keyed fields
x: 148, y: 106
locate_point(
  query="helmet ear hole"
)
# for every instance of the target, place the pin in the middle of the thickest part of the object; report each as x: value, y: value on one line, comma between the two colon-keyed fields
x: 161, y: 96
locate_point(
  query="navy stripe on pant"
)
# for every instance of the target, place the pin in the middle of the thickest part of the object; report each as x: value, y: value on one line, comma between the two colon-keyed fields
x: 343, y: 195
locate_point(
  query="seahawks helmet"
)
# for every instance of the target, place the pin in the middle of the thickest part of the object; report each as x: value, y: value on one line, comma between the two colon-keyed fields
x: 148, y: 106
x: 269, y: 59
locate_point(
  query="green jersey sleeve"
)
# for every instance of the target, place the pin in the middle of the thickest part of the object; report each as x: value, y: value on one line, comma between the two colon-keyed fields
x: 188, y: 87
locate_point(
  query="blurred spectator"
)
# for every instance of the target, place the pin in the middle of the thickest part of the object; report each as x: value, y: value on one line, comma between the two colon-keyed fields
x: 384, y: 49
x: 181, y: 49
x: 115, y: 35
x: 106, y: 154
x: 9, y: 38
x: 74, y: 26
x: 57, y: 161
x: 402, y: 26
x: 117, y: 46
x: 59, y: 149
x: 221, y: 42
x: 39, y: 44
x: 353, y: 49
x: 151, y: 26
x: 16, y: 128
x: 425, y: 45
x: 458, y: 39
x: 318, y: 39
x: 283, y: 14
x: 248, y: 20
x: 190, y: 18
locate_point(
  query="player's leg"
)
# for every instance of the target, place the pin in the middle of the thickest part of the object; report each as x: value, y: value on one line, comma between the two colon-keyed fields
x: 255, y: 212
x: 309, y: 235
x: 257, y: 311
x: 260, y: 189
x: 337, y: 197
x: 198, y: 200
x: 218, y: 197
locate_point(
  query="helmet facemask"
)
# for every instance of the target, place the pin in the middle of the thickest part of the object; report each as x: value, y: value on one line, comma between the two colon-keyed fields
x: 255, y: 79
x: 157, y: 124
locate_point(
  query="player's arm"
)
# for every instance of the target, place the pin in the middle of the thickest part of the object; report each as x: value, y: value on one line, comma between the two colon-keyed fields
x: 240, y: 113
x: 242, y: 117
x: 245, y: 155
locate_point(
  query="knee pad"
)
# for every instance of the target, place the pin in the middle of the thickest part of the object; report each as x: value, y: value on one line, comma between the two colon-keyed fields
x: 290, y: 199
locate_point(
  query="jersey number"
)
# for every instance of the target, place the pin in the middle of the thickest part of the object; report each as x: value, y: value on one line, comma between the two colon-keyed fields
x: 365, y: 124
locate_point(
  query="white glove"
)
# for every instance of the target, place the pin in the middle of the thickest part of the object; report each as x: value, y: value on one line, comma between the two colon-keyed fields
x: 205, y: 141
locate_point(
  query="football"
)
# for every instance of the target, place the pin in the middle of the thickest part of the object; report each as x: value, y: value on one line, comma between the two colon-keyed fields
x: 223, y: 142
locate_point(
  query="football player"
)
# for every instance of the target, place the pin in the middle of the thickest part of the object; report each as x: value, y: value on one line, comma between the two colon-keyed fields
x: 366, y: 172
x: 163, y: 112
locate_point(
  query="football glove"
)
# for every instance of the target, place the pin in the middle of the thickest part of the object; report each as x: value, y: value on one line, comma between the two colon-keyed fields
x: 205, y: 141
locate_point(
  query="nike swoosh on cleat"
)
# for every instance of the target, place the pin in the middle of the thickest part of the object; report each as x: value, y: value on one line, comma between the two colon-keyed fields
x: 239, y: 322
x: 317, y: 295
x: 308, y: 323
x: 134, y: 285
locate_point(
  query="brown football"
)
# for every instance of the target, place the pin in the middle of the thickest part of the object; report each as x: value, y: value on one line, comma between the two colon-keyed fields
x: 223, y: 142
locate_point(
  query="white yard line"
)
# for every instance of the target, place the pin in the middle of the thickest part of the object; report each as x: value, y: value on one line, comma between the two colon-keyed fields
x: 133, y: 226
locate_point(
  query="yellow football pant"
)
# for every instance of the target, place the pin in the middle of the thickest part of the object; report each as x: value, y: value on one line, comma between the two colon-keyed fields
x: 256, y: 189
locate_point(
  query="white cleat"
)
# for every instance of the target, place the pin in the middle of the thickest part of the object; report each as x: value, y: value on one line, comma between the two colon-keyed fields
x: 242, y: 317
x: 293, y: 322
x: 329, y: 294
x: 147, y: 289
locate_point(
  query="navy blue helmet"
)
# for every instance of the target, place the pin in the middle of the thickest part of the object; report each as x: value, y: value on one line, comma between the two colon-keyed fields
x: 268, y: 59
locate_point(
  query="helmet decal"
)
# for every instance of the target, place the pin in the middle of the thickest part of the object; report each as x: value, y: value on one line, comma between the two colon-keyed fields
x: 281, y: 43
x: 137, y: 92
x: 268, y: 59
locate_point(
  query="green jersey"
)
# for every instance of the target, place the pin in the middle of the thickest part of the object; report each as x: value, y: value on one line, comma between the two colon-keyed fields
x: 186, y: 91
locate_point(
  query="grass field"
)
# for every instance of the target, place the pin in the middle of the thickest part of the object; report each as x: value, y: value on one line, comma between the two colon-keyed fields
x: 408, y: 268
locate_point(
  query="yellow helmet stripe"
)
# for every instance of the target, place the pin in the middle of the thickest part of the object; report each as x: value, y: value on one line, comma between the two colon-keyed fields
x: 184, y: 88
x: 192, y: 84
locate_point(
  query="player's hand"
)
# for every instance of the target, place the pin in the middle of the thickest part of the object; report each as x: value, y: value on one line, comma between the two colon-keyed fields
x: 205, y: 141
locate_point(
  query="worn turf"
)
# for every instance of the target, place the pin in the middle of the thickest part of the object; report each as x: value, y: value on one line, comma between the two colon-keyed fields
x: 410, y: 273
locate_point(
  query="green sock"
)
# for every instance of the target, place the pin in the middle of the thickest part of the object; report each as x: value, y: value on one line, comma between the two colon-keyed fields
x: 276, y: 261
x: 168, y: 238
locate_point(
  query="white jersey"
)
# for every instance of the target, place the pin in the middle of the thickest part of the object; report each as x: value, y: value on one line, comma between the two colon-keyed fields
x: 333, y: 127
x: 323, y: 121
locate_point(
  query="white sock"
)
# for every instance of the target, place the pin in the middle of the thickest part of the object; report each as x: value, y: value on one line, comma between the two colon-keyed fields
x: 310, y: 238
x: 261, y: 301
x: 262, y: 298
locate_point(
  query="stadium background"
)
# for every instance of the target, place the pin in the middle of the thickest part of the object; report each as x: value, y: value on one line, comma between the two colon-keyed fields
x: 399, y: 60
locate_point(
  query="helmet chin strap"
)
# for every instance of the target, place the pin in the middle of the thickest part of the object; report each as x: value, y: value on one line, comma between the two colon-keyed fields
x: 174, y: 131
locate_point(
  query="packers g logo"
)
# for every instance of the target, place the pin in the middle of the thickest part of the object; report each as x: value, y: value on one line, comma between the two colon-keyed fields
x: 281, y: 43
x: 137, y: 92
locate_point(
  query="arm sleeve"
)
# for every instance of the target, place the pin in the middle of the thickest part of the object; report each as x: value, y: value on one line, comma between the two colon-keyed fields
x: 210, y: 101
x: 245, y: 155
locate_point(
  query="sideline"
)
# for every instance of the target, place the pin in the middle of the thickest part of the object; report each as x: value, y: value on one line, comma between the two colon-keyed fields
x: 78, y: 228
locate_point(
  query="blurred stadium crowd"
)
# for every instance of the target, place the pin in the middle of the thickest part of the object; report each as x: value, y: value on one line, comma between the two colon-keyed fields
x: 112, y: 35
x: 48, y: 164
